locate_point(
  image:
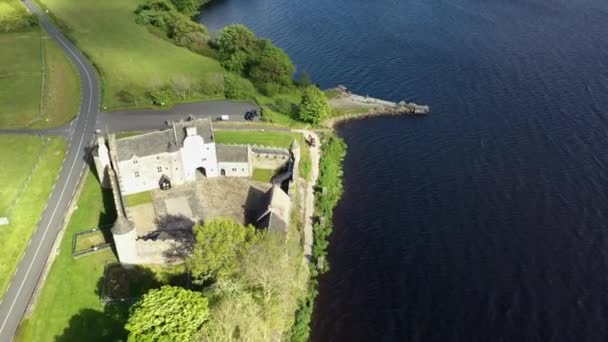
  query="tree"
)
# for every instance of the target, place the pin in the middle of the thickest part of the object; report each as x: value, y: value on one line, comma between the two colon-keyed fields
x: 235, y: 317
x: 274, y: 271
x: 167, y: 314
x: 219, y: 244
x: 314, y: 106
x: 272, y: 65
x: 304, y: 80
x: 236, y: 62
x: 233, y: 38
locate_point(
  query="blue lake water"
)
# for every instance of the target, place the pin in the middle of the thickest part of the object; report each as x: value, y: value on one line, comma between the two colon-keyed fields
x: 485, y: 221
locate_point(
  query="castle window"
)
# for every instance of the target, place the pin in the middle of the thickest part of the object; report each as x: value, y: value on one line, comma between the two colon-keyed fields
x: 135, y: 161
x: 234, y: 169
x: 136, y: 174
x: 159, y: 169
x: 157, y: 158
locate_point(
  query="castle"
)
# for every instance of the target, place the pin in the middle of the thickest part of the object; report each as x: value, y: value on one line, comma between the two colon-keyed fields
x: 182, y: 154
x: 170, y: 157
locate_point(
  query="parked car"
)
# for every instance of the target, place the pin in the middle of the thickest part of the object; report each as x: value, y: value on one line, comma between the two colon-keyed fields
x: 224, y: 117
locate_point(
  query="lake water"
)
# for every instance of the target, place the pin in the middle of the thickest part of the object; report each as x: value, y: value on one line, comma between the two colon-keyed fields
x: 485, y: 221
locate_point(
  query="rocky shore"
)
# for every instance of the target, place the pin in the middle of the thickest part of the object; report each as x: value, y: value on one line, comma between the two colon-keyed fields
x: 352, y: 106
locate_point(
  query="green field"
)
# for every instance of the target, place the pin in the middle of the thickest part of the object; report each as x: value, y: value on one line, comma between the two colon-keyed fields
x: 130, y: 59
x: 31, y: 164
x: 34, y: 70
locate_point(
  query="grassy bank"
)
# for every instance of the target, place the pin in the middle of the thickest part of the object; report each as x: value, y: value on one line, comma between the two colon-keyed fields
x: 32, y: 165
x: 330, y: 179
x: 131, y: 60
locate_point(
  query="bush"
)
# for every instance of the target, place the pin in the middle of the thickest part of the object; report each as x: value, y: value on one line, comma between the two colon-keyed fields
x: 159, y: 97
x: 271, y: 65
x: 314, y: 106
x: 236, y: 87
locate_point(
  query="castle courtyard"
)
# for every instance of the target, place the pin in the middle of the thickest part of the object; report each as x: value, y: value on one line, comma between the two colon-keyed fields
x: 240, y: 199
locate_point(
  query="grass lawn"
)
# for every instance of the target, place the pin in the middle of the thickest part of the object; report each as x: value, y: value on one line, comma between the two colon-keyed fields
x: 139, y: 198
x: 269, y: 138
x: 282, y: 108
x: 32, y: 165
x: 263, y: 175
x: 69, y: 308
x: 128, y: 57
x: 21, y: 81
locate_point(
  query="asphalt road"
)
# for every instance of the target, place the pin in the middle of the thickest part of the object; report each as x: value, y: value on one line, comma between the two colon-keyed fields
x: 148, y: 119
x: 23, y: 283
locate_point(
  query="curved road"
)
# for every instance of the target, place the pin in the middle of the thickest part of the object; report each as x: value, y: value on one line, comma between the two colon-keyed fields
x: 24, y: 281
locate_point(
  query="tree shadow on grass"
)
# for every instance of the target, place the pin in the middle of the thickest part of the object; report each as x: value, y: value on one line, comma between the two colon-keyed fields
x: 96, y: 326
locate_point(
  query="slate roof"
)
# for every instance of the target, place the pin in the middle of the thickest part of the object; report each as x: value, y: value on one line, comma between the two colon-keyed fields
x: 203, y: 128
x: 170, y: 140
x: 273, y: 222
x: 276, y: 217
x: 146, y: 145
x: 232, y: 153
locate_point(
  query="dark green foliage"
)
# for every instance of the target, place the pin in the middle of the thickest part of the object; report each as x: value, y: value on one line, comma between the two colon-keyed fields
x: 330, y: 178
x: 219, y: 245
x: 304, y: 80
x: 238, y: 88
x: 314, y: 106
x: 160, y: 97
x: 167, y: 314
x: 235, y: 38
x: 236, y: 62
x: 177, y: 26
x: 187, y: 7
x: 268, y: 67
x: 272, y: 65
x: 190, y: 34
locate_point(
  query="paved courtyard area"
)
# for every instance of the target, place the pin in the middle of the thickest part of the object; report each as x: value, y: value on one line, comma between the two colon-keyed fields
x: 240, y: 199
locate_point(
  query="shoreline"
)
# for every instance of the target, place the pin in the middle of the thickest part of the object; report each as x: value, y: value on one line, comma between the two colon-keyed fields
x: 355, y: 107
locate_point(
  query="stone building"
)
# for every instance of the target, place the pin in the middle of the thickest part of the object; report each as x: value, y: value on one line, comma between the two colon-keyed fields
x: 181, y: 154
x: 174, y: 156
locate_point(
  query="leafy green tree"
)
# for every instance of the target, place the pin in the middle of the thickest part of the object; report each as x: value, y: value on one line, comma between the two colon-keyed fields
x: 274, y: 271
x: 236, y: 62
x: 219, y: 245
x: 304, y: 80
x: 314, y: 106
x: 233, y: 38
x: 188, y: 7
x: 236, y: 316
x: 167, y: 314
x: 272, y: 65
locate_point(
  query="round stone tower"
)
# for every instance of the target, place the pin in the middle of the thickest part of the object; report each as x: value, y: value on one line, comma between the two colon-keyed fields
x: 125, y: 237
